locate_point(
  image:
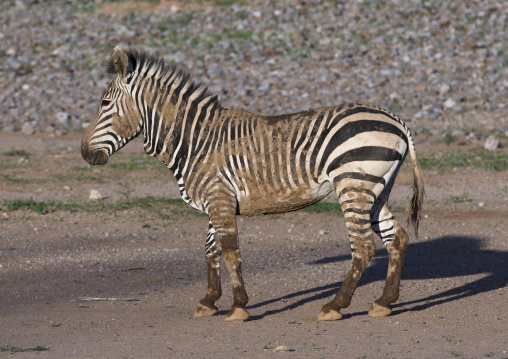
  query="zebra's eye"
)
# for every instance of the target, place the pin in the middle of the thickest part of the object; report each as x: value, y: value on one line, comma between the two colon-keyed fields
x: 105, y: 102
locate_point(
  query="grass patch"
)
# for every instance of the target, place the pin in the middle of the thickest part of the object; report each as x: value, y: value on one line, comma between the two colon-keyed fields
x: 13, y: 179
x: 16, y: 153
x: 238, y: 35
x: 477, y: 159
x: 13, y: 349
x: 323, y: 207
x: 28, y: 204
x: 178, y: 207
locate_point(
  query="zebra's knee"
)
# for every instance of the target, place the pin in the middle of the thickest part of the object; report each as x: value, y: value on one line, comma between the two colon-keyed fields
x: 363, y: 251
x: 400, y: 239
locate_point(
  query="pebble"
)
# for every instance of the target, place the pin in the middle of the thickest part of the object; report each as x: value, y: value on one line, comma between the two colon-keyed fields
x: 27, y: 129
x: 443, y: 89
x: 62, y: 118
x: 491, y: 143
x: 95, y: 195
x: 280, y: 349
x: 450, y: 103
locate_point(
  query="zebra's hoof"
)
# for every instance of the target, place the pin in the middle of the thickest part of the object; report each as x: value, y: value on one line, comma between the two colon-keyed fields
x: 204, y: 311
x: 237, y: 315
x: 378, y: 310
x: 329, y: 314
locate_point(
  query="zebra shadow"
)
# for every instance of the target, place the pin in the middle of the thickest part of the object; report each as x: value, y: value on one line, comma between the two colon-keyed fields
x: 443, y: 257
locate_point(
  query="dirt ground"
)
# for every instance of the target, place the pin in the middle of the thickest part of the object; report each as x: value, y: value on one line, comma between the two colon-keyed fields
x: 453, y: 302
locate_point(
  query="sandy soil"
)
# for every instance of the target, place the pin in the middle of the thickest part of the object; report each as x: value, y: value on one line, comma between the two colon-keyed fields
x: 453, y: 299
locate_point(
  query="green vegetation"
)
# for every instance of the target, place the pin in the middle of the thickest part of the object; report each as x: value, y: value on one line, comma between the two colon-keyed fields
x: 178, y: 208
x: 13, y: 179
x: 324, y: 207
x: 476, y: 159
x: 12, y: 349
x: 458, y: 199
x: 29, y: 204
x: 16, y: 153
x: 238, y: 34
x: 448, y: 138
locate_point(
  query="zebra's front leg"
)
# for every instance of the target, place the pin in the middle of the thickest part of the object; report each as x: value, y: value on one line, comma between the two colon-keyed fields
x: 213, y: 252
x: 222, y: 214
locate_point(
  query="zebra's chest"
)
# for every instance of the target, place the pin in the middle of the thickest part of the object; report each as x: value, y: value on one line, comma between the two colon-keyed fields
x: 197, y: 205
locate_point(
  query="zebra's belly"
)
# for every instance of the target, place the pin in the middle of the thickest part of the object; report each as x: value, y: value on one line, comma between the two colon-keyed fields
x: 258, y: 199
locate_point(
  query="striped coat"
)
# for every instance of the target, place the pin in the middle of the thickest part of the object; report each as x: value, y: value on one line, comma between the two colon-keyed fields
x: 232, y: 162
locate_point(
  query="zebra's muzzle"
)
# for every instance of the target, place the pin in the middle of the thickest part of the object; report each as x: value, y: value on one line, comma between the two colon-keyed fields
x: 94, y: 157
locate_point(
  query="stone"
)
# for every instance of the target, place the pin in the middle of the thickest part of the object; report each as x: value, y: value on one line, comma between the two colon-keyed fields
x: 95, y: 195
x: 8, y: 128
x: 281, y: 349
x: 62, y: 117
x: 27, y: 129
x: 491, y: 143
x: 450, y: 103
x: 443, y: 89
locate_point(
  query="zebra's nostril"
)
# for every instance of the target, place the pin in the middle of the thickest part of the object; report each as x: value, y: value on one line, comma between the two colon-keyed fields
x: 100, y: 157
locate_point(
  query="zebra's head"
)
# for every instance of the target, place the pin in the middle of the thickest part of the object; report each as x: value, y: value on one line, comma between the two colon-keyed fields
x: 118, y: 120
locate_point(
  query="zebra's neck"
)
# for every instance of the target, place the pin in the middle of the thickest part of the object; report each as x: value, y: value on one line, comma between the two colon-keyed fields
x: 176, y: 110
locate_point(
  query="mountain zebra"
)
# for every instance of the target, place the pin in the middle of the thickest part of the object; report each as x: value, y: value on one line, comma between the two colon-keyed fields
x: 229, y: 162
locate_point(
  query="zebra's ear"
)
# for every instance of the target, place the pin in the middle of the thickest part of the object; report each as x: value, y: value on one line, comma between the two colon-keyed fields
x: 120, y: 61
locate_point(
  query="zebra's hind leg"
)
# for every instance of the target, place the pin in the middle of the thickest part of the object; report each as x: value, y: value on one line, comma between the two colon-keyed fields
x: 356, y: 207
x: 395, y: 240
x: 213, y: 252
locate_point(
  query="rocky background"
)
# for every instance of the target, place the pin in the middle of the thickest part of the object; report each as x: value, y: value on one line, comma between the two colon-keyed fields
x: 441, y: 65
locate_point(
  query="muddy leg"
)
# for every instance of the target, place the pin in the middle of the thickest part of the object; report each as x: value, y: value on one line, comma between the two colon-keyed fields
x: 396, y: 253
x: 363, y: 249
x: 222, y: 213
x: 234, y: 265
x: 206, y: 305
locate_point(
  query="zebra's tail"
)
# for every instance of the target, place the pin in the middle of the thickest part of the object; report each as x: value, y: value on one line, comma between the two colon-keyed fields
x: 415, y: 212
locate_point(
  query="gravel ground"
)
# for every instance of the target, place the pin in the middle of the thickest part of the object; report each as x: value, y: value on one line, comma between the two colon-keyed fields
x: 441, y: 65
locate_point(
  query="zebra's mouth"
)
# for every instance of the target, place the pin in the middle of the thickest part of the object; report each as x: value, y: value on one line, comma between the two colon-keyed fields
x: 94, y: 157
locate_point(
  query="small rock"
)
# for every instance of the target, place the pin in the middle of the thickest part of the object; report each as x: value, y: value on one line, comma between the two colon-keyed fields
x: 11, y: 51
x: 95, y: 195
x: 458, y: 134
x: 66, y: 188
x: 470, y: 136
x: 265, y: 86
x: 9, y: 128
x: 450, y: 103
x: 27, y: 129
x: 480, y: 204
x: 281, y: 348
x: 62, y: 117
x: 444, y: 88
x: 322, y: 232
x: 20, y: 5
x: 491, y: 143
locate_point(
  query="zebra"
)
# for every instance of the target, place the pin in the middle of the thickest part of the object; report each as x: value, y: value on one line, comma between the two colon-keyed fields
x: 230, y: 162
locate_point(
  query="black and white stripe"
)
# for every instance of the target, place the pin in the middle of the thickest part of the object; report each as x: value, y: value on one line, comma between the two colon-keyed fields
x: 229, y: 162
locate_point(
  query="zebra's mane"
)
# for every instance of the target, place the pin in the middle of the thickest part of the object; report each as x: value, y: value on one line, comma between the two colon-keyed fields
x: 144, y: 62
